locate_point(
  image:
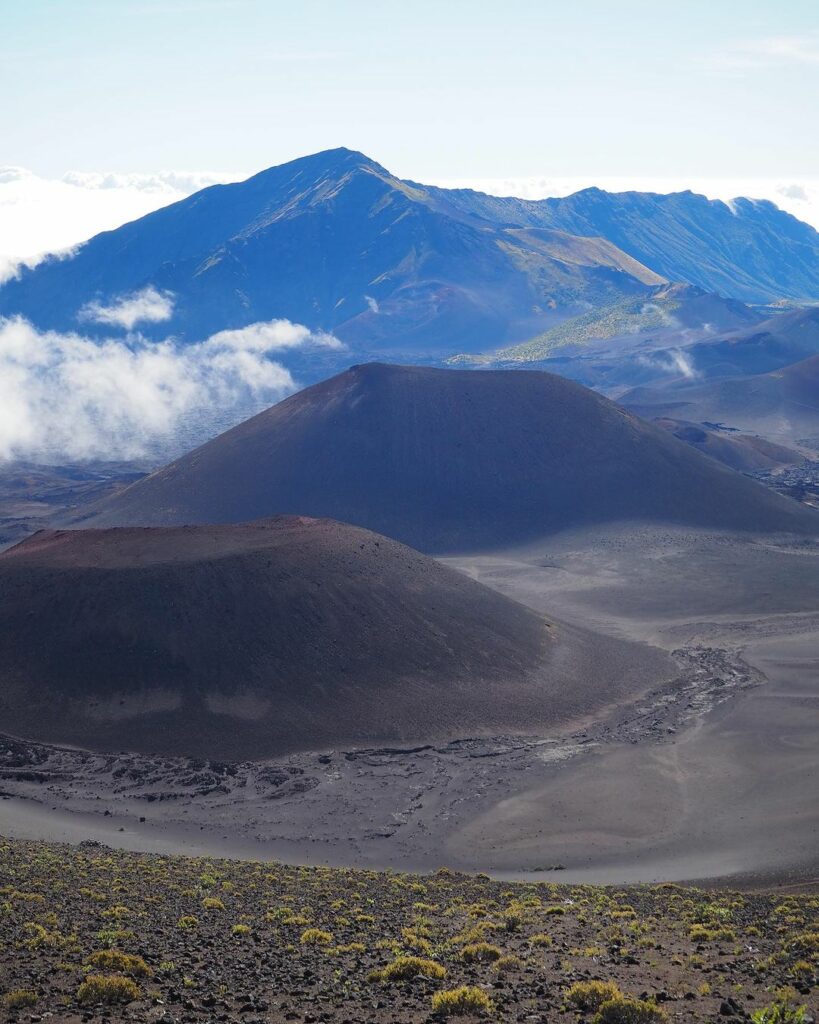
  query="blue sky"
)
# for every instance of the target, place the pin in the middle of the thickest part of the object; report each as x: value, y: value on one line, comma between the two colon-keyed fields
x: 111, y: 108
x: 431, y: 89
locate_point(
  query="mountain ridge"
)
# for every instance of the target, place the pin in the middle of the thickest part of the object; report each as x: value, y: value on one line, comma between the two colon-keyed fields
x: 334, y: 241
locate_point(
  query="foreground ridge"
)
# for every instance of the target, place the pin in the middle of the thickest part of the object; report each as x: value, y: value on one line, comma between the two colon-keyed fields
x: 228, y: 940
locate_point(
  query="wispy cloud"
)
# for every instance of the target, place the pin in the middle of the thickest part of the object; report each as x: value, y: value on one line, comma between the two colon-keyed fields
x: 148, y: 306
x: 767, y: 52
x: 68, y: 397
x: 270, y: 336
x: 674, y: 361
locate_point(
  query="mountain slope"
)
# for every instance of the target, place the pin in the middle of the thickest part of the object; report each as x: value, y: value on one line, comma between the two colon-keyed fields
x: 782, y: 404
x: 744, y: 452
x: 749, y: 250
x: 671, y: 311
x: 240, y: 641
x: 336, y: 242
x: 449, y: 460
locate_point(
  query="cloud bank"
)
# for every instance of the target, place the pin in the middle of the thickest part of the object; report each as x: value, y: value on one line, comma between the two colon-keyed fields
x: 65, y: 397
x: 42, y: 215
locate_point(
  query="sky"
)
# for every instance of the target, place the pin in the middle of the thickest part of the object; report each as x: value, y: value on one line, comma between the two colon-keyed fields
x: 112, y: 108
x: 523, y: 87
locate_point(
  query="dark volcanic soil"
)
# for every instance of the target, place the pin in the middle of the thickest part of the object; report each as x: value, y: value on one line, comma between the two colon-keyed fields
x: 450, y: 460
x: 209, y: 940
x: 247, y: 641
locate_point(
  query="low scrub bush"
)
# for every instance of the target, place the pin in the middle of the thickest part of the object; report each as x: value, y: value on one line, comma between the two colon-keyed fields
x: 405, y: 968
x: 108, y: 989
x: 461, y: 1002
x: 116, y: 960
x: 780, y: 1012
x: 19, y: 999
x: 590, y: 995
x: 481, y: 952
x: 624, y: 1010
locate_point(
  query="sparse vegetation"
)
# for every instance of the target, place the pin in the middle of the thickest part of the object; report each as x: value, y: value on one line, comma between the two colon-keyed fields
x: 782, y: 1011
x: 93, y: 926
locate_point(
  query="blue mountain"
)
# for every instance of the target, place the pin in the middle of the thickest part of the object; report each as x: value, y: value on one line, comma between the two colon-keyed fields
x: 336, y: 242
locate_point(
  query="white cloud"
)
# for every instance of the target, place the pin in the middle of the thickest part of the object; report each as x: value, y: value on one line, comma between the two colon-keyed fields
x: 42, y: 215
x: 270, y: 336
x: 766, y: 52
x: 163, y: 183
x: 67, y: 397
x: 372, y: 303
x: 674, y: 361
x: 148, y: 306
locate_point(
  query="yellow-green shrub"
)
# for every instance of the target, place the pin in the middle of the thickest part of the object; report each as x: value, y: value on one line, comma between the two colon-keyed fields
x: 107, y: 989
x: 460, y: 1002
x: 590, y: 995
x: 116, y: 960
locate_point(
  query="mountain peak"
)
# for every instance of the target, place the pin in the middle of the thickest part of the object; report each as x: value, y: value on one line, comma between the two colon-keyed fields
x: 327, y: 162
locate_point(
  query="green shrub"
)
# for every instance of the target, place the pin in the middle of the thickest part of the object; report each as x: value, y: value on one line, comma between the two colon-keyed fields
x: 781, y: 1012
x: 590, y: 995
x: 115, y: 960
x: 806, y: 942
x: 624, y: 1010
x: 461, y: 1002
x: 484, y: 952
x: 187, y: 921
x: 699, y: 933
x: 212, y: 903
x: 315, y: 937
x: 109, y: 937
x: 19, y: 999
x: 405, y: 968
x: 108, y: 989
x: 508, y: 963
x: 240, y: 929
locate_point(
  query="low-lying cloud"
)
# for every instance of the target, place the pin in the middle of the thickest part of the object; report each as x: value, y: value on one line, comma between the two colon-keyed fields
x: 148, y: 306
x: 66, y: 397
x: 673, y: 360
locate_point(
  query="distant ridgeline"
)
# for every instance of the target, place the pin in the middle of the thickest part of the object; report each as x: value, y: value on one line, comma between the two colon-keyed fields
x: 394, y: 268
